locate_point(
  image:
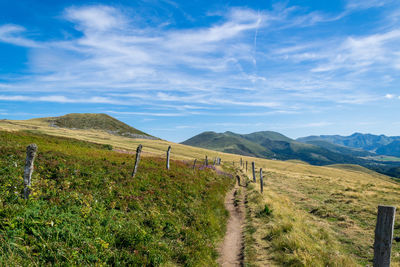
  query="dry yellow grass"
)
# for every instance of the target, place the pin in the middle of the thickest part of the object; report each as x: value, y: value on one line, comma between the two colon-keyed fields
x: 278, y: 233
x: 341, y: 201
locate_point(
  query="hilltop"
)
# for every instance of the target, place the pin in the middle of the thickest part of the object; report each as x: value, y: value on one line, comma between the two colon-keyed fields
x: 95, y: 121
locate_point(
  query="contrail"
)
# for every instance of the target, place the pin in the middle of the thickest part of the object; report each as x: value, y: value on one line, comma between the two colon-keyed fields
x: 255, y: 40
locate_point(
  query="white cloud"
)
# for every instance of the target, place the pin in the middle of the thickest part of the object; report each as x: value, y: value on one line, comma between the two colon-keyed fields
x: 95, y: 18
x: 365, y: 4
x: 389, y: 96
x: 153, y: 114
x: 10, y: 33
x: 62, y: 99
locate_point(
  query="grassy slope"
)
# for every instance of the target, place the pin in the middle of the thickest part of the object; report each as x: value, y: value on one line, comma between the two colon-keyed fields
x: 228, y: 142
x: 338, y: 204
x: 151, y: 147
x: 277, y: 233
x: 92, y: 121
x: 270, y: 145
x: 86, y: 209
x: 343, y: 201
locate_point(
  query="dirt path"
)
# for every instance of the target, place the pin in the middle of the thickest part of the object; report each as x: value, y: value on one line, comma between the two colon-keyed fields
x: 231, y: 250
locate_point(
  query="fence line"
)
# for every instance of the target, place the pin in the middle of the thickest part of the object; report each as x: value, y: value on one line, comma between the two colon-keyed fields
x: 384, y: 224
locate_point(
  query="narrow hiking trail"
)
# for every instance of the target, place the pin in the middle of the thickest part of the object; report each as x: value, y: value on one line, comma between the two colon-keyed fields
x: 231, y: 250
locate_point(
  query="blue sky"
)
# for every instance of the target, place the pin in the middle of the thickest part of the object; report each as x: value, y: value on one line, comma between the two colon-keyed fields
x: 177, y: 68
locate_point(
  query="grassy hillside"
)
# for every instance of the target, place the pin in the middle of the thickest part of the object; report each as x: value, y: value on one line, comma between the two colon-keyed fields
x: 86, y: 209
x: 316, y: 216
x: 268, y: 145
x: 94, y: 121
x: 276, y: 146
x: 229, y: 143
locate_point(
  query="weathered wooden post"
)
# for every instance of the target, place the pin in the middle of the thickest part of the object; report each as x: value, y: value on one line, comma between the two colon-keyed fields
x: 206, y: 161
x: 194, y: 164
x: 168, y: 152
x: 261, y: 181
x: 30, y: 158
x: 254, y: 171
x: 215, y: 161
x: 238, y: 179
x: 241, y: 162
x: 246, y: 165
x: 137, y: 160
x: 384, y: 236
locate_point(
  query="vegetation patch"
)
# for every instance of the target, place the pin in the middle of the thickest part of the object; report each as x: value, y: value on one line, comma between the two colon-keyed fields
x: 285, y: 236
x: 86, y: 209
x: 94, y: 121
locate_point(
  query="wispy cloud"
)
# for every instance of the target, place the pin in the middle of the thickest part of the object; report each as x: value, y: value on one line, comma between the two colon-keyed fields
x: 61, y: 99
x: 365, y: 4
x: 10, y: 33
x: 116, y: 60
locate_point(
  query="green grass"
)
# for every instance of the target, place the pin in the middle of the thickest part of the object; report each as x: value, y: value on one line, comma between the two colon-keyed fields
x: 86, y: 209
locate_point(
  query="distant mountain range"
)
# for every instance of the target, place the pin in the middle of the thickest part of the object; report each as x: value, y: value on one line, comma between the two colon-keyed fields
x: 378, y: 144
x: 317, y: 150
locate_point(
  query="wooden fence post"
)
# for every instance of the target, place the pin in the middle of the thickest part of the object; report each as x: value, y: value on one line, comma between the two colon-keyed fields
x: 206, y: 162
x: 238, y: 179
x: 30, y: 158
x: 215, y: 161
x: 168, y: 153
x: 384, y: 236
x: 241, y: 162
x: 254, y: 171
x: 261, y: 181
x: 137, y: 160
x: 246, y: 165
x: 194, y: 164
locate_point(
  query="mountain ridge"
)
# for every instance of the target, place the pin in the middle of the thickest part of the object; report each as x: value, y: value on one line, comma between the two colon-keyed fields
x: 268, y: 144
x: 273, y: 145
x: 379, y: 144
